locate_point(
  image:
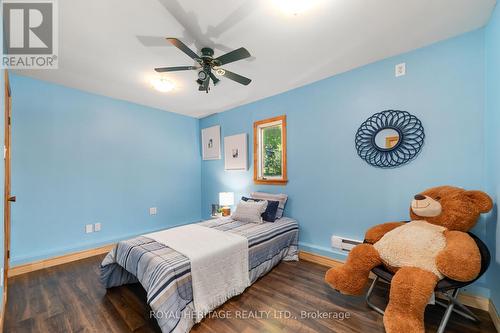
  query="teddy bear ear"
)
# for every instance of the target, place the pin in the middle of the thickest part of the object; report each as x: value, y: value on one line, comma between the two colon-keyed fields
x: 482, y: 200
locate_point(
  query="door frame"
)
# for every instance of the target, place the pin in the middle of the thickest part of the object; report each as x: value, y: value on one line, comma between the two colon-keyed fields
x: 7, y: 141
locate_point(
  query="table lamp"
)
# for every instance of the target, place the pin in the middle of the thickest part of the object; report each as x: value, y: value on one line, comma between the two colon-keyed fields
x: 226, y: 199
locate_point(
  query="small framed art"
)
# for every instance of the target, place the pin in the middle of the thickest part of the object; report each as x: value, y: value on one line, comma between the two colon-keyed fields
x: 210, y: 141
x: 235, y: 152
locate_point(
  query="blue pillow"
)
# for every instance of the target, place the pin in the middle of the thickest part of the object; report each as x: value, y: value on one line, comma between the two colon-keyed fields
x: 272, y: 208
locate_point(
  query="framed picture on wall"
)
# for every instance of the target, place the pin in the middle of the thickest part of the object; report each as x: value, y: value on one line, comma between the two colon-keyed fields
x: 235, y: 152
x: 210, y: 141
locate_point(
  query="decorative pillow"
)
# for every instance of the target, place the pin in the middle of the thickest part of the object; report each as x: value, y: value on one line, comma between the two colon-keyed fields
x: 281, y: 198
x: 272, y: 207
x: 249, y: 211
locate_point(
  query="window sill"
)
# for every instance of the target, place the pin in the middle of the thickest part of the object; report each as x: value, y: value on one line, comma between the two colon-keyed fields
x: 271, y: 181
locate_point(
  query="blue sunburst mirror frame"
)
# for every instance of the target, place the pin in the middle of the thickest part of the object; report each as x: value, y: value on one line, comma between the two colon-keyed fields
x: 410, y: 139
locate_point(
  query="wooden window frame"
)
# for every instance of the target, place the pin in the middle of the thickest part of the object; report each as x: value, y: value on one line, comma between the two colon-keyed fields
x: 284, y: 179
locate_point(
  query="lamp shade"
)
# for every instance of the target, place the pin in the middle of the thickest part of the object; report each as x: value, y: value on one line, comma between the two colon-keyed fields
x: 226, y: 198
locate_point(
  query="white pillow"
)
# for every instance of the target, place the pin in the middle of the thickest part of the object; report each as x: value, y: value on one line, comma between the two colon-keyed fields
x: 282, y: 198
x: 249, y: 211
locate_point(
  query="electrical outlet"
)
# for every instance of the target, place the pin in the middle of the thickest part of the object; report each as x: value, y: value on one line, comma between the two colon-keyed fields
x: 89, y: 228
x: 152, y: 211
x: 97, y: 227
x: 400, y: 69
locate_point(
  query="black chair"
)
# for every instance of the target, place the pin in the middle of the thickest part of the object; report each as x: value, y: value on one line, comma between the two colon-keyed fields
x: 448, y: 287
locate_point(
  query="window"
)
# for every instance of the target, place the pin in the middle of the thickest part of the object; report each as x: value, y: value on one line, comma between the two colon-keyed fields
x: 269, y: 151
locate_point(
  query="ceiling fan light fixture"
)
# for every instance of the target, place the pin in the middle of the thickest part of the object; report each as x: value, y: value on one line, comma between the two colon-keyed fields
x: 162, y: 84
x: 202, y: 75
x: 207, y: 66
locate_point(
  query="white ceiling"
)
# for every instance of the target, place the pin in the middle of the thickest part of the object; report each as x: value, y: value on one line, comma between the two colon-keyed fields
x: 108, y: 46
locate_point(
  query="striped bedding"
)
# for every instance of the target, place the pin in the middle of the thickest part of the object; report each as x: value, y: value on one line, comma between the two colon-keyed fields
x: 166, y: 274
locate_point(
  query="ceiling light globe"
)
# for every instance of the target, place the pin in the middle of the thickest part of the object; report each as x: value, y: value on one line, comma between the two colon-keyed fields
x: 294, y: 7
x: 162, y: 84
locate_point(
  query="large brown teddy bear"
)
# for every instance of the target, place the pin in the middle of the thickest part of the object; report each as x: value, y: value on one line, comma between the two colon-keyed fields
x: 434, y: 245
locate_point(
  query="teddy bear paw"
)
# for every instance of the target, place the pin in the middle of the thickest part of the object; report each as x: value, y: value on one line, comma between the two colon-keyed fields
x: 345, y: 281
x: 402, y: 321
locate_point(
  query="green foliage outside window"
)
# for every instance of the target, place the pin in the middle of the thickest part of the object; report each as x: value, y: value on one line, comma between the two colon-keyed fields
x: 271, y: 154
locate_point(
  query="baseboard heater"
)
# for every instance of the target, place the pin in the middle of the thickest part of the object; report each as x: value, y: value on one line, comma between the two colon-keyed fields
x: 344, y: 244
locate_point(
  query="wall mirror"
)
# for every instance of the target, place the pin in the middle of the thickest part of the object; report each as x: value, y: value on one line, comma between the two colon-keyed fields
x: 390, y: 138
x: 387, y: 138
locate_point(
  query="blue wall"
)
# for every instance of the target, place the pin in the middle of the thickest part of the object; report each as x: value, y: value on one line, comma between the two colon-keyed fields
x: 492, y: 130
x: 331, y: 190
x: 79, y: 158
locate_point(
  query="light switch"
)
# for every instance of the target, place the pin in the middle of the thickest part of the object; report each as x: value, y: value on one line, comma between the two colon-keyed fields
x: 89, y: 228
x: 152, y: 211
x: 97, y: 227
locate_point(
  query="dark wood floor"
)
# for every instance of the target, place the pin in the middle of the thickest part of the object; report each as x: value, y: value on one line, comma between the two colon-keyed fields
x: 69, y: 298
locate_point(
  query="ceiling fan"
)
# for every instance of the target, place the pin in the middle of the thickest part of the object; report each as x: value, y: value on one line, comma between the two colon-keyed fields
x: 207, y: 64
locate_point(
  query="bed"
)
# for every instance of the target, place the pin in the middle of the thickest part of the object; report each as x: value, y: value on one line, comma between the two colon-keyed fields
x: 165, y: 274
